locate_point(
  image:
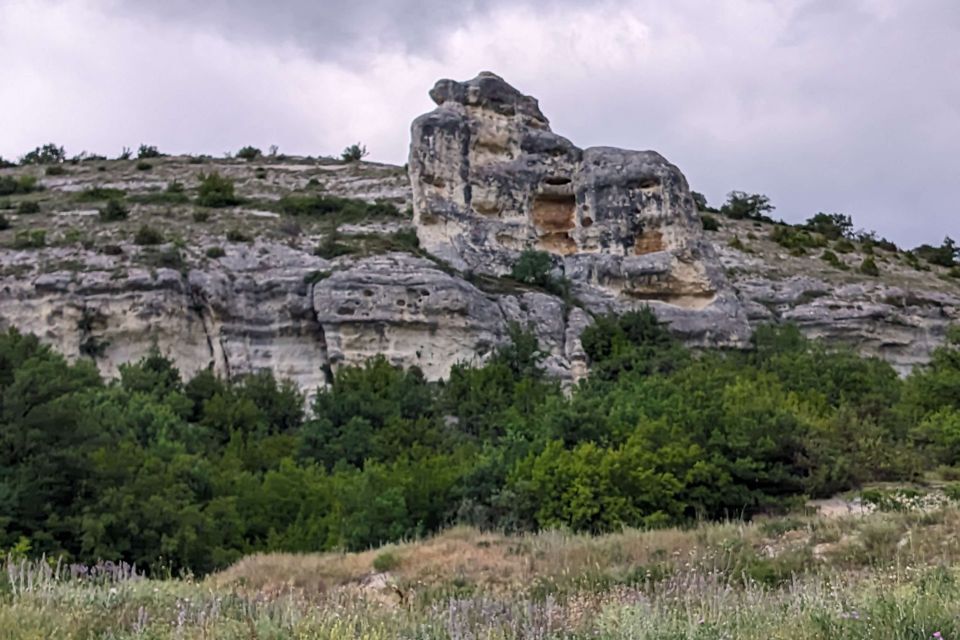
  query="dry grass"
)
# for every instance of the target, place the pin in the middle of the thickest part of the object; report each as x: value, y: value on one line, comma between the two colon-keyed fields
x: 885, y: 575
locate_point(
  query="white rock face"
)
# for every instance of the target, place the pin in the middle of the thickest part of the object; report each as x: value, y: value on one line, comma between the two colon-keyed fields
x: 490, y: 180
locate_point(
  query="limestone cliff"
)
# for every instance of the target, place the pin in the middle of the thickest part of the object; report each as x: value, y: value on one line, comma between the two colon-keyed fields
x: 490, y: 179
x: 249, y: 287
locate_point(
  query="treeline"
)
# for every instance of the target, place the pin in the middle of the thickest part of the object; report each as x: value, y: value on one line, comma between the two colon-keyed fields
x: 177, y: 474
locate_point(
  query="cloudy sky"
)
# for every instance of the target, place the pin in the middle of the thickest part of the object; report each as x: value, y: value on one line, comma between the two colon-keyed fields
x: 824, y: 105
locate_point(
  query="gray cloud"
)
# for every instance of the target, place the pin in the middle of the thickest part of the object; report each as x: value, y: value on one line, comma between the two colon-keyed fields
x: 346, y: 30
x: 833, y: 105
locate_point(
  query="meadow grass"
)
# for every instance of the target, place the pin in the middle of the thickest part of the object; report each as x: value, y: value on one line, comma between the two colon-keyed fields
x: 881, y: 575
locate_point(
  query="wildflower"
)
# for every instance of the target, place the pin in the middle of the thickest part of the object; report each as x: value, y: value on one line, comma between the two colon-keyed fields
x: 936, y: 634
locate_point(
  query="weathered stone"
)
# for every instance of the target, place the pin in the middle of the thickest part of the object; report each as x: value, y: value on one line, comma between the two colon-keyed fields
x: 490, y: 180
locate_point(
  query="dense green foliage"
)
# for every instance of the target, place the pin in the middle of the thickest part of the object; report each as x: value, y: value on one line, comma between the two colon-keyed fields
x: 157, y: 470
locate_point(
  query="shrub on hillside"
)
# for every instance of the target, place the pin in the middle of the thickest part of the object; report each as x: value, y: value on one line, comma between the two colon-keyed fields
x: 869, y: 267
x: 113, y: 211
x: 709, y: 222
x: 832, y: 226
x: 796, y: 238
x: 28, y: 207
x: 47, y: 154
x: 147, y: 235
x: 146, y: 152
x: 831, y: 258
x: 236, y: 235
x: 746, y: 206
x: 354, y: 153
x: 30, y: 239
x: 249, y: 153
x: 945, y: 255
x: 10, y: 185
x: 216, y: 191
x: 341, y: 210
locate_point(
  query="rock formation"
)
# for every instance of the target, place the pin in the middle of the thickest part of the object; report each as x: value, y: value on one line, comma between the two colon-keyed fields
x: 490, y: 179
x: 487, y: 180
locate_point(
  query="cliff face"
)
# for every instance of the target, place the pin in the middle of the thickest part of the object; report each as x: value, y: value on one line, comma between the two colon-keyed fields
x: 249, y: 287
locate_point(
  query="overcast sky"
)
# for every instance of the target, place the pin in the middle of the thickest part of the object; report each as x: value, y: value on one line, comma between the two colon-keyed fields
x: 824, y: 105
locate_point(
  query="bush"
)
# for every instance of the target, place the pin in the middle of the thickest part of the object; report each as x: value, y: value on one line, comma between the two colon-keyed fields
x: 260, y: 173
x: 112, y: 250
x: 4, y: 223
x: 148, y: 151
x: 114, y: 211
x: 869, y: 267
x: 216, y: 252
x: 146, y: 235
x: 6, y: 164
x: 216, y: 191
x: 236, y: 235
x: 249, y: 153
x: 99, y: 194
x: 832, y: 226
x: 55, y: 170
x: 943, y: 256
x: 338, y: 210
x: 47, y: 154
x: 709, y: 222
x: 28, y: 207
x: 831, y: 258
x: 144, y: 166
x: 912, y: 260
x: 744, y: 206
x: 10, y: 186
x: 533, y: 267
x: 796, y: 238
x: 354, y: 153
x: 843, y: 246
x: 30, y: 239
x: 201, y: 216
x: 172, y: 195
x: 385, y: 561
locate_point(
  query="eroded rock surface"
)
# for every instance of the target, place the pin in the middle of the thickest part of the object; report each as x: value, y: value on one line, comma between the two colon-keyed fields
x: 490, y: 179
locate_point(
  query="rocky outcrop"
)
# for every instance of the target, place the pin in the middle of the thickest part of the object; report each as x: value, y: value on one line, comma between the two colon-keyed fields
x: 490, y: 179
x: 416, y: 314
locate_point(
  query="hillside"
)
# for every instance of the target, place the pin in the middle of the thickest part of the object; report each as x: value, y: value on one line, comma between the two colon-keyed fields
x: 291, y: 279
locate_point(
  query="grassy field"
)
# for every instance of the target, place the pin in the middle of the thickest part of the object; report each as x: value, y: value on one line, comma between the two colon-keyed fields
x: 891, y: 575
